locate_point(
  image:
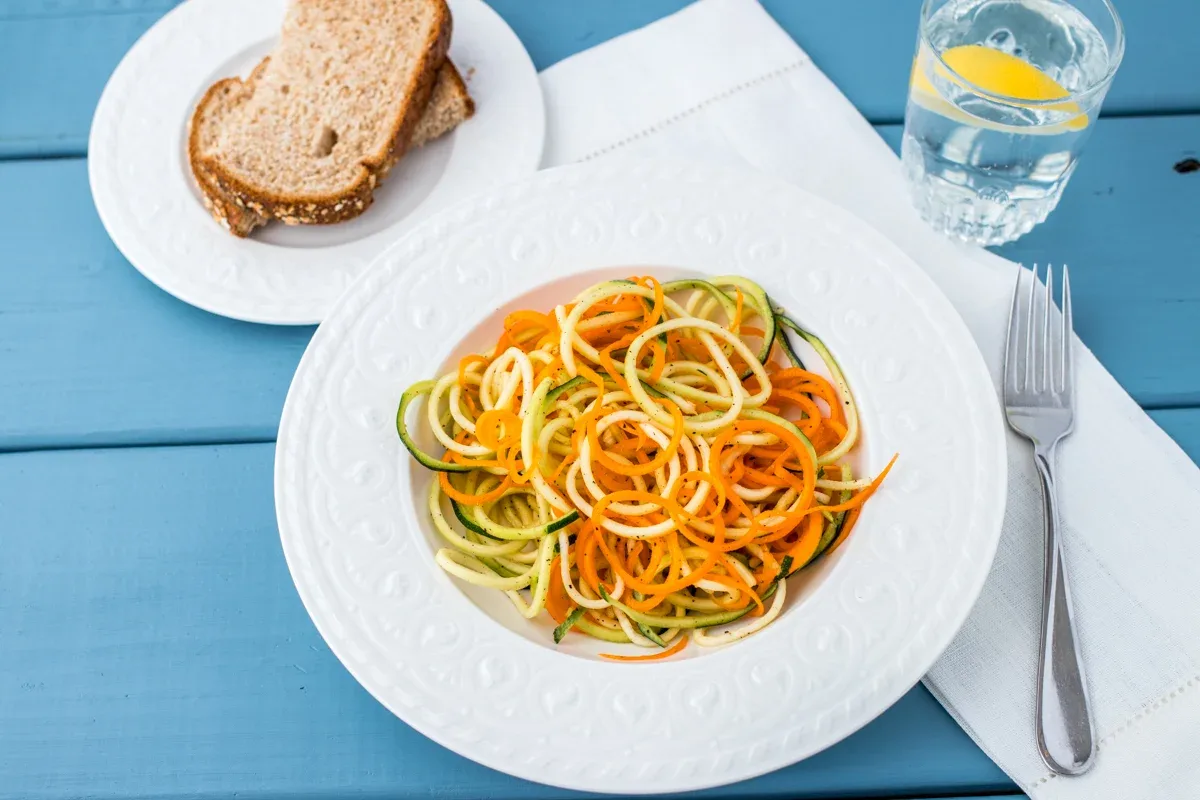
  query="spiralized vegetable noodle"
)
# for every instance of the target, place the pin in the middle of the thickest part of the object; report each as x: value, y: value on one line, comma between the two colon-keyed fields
x: 647, y: 463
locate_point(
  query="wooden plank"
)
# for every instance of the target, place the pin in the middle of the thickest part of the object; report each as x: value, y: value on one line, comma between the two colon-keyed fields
x: 91, y: 353
x: 154, y: 646
x: 55, y: 58
x: 55, y: 55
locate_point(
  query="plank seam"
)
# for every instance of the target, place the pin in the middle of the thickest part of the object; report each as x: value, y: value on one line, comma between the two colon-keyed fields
x: 115, y: 445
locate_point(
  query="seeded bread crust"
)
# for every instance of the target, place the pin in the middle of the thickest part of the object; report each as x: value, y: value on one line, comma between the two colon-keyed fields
x: 449, y: 106
x: 224, y: 190
x: 231, y: 213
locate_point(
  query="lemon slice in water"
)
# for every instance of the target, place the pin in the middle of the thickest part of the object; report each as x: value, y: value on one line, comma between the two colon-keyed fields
x: 998, y: 73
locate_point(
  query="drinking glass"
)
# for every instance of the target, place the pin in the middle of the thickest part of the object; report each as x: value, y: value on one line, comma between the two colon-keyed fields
x: 1002, y: 98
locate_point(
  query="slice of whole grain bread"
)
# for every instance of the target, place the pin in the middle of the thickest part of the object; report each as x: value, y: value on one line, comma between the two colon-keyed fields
x: 308, y: 135
x: 449, y: 106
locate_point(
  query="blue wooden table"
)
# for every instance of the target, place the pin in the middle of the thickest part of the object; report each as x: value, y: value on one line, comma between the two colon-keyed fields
x: 151, y: 643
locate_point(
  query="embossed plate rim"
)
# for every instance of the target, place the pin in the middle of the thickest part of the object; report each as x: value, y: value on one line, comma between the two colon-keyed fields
x: 144, y: 195
x: 873, y: 625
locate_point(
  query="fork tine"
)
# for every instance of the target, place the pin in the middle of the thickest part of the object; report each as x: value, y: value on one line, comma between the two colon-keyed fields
x: 1048, y: 343
x: 1067, y: 333
x: 1012, y: 346
x: 1029, y: 332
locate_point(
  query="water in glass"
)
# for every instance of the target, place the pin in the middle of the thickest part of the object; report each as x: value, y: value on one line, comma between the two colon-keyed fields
x: 1003, y: 95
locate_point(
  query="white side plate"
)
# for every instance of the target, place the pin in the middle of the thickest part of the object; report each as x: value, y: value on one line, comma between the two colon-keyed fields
x: 137, y: 162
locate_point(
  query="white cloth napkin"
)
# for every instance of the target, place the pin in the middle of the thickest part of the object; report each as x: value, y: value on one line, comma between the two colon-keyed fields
x: 720, y: 81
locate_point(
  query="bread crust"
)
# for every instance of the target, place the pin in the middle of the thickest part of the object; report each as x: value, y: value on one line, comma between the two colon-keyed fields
x: 240, y: 207
x: 239, y: 221
x: 461, y: 87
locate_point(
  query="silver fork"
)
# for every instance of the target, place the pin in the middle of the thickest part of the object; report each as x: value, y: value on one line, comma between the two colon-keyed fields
x: 1038, y: 402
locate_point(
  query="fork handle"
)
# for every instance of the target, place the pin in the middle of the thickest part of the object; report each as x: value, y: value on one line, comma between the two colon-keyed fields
x: 1065, y: 736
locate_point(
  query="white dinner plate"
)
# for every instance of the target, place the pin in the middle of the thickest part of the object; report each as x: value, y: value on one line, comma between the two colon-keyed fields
x: 142, y: 186
x: 460, y: 665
